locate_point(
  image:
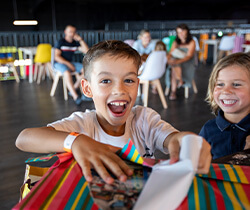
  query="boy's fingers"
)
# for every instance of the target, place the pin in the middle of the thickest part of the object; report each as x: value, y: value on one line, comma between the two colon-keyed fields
x: 86, y: 170
x: 174, y: 150
x: 101, y: 170
x: 205, y: 158
x: 116, y: 166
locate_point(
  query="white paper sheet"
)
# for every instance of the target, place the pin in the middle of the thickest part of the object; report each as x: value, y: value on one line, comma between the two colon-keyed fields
x: 168, y: 185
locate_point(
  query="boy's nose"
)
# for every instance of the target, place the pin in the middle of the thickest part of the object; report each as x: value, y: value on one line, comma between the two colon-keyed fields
x: 118, y: 89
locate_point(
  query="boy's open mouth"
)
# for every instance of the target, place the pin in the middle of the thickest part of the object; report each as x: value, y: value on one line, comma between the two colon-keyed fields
x: 118, y: 107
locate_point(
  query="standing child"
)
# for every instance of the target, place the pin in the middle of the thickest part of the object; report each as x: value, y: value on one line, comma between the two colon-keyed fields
x: 110, y: 71
x: 229, y: 97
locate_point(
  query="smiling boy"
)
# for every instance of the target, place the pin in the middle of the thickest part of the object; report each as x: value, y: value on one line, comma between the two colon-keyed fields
x: 110, y: 69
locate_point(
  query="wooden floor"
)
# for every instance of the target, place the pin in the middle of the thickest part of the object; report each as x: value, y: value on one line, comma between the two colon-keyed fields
x: 29, y: 105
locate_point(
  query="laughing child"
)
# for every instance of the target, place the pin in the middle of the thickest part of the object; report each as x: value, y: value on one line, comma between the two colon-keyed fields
x: 229, y: 97
x: 111, y: 70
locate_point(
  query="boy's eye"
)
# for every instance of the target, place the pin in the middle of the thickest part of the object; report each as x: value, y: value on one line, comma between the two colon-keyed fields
x: 236, y: 84
x: 105, y: 81
x: 129, y: 80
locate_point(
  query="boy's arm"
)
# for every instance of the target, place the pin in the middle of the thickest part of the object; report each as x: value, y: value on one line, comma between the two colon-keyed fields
x: 87, y: 152
x: 172, y: 143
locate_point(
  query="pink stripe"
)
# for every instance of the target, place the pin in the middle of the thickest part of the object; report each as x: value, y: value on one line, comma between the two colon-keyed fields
x: 63, y: 195
x: 40, y: 195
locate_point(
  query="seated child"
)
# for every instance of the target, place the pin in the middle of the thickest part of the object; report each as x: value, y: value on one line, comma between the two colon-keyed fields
x: 110, y: 70
x: 229, y: 97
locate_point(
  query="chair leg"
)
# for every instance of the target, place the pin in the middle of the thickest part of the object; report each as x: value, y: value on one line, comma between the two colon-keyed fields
x: 40, y: 73
x: 35, y: 71
x: 194, y: 87
x: 15, y: 72
x: 145, y: 88
x: 55, y: 82
x: 50, y: 69
x: 186, y: 92
x: 167, y: 91
x: 65, y: 91
x: 157, y: 83
x: 139, y: 90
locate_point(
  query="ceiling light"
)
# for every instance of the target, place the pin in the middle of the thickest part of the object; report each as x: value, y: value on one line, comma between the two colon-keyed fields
x: 25, y: 22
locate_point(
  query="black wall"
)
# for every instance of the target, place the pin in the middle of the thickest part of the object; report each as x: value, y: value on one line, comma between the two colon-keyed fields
x: 93, y: 14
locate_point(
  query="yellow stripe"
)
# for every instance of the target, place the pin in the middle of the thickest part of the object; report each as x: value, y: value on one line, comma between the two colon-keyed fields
x: 196, y: 194
x: 231, y: 173
x: 241, y: 174
x: 140, y: 160
x: 242, y: 196
x: 59, y: 186
x: 79, y: 196
x: 134, y: 156
x: 231, y: 195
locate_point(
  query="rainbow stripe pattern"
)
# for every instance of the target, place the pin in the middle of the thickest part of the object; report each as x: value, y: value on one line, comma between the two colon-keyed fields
x: 62, y: 187
x: 129, y: 152
x: 225, y: 187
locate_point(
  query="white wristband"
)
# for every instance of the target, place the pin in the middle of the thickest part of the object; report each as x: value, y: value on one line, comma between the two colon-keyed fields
x: 69, y: 141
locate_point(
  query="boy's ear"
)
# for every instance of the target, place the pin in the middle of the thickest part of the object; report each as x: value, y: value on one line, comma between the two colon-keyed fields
x: 86, y: 88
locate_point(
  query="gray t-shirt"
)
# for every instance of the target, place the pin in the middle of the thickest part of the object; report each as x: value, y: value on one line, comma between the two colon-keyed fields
x: 144, y: 127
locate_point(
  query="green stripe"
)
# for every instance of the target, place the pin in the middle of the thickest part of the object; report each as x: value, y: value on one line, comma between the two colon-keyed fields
x: 75, y: 193
x: 211, y: 195
x: 236, y: 174
x: 191, y: 201
x: 224, y: 172
x: 227, y: 201
x: 212, y: 172
x: 84, y: 205
x: 56, y: 186
x: 84, y: 199
x: 236, y: 194
x: 201, y: 194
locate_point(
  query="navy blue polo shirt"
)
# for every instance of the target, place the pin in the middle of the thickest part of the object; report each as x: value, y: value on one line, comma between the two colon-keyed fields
x: 224, y: 137
x: 67, y: 48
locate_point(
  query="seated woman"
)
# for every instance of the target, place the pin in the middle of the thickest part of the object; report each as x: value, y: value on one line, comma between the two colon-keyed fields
x: 144, y: 45
x: 181, y: 57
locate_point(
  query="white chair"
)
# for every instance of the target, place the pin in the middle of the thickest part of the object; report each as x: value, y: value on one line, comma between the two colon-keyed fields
x: 130, y: 42
x: 57, y: 76
x: 153, y: 70
x: 226, y: 45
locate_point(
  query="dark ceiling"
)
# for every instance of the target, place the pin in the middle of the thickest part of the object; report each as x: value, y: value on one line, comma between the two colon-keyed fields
x: 93, y: 14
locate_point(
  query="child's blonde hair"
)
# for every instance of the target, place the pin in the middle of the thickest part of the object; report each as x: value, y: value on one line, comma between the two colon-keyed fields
x: 160, y: 46
x: 239, y: 59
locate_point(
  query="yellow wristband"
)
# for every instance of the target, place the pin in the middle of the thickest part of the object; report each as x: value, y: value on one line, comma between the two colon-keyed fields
x: 69, y: 141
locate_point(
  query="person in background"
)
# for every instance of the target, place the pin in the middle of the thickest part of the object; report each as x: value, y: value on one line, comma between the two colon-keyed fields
x: 181, y: 57
x: 64, y: 51
x: 99, y: 133
x: 229, y: 97
x: 144, y: 44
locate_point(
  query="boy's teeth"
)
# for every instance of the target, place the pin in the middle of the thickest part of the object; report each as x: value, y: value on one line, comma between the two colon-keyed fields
x: 118, y: 103
x: 229, y: 101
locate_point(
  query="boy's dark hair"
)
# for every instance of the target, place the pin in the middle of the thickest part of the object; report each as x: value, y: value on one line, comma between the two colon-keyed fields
x: 112, y: 48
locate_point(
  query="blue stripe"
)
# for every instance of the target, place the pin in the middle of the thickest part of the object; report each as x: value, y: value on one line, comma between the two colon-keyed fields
x: 75, y: 193
x: 130, y: 155
x: 227, y: 201
x: 191, y: 202
x: 83, y: 197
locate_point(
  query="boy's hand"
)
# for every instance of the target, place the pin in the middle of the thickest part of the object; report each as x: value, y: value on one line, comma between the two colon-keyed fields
x: 174, y: 150
x: 92, y: 154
